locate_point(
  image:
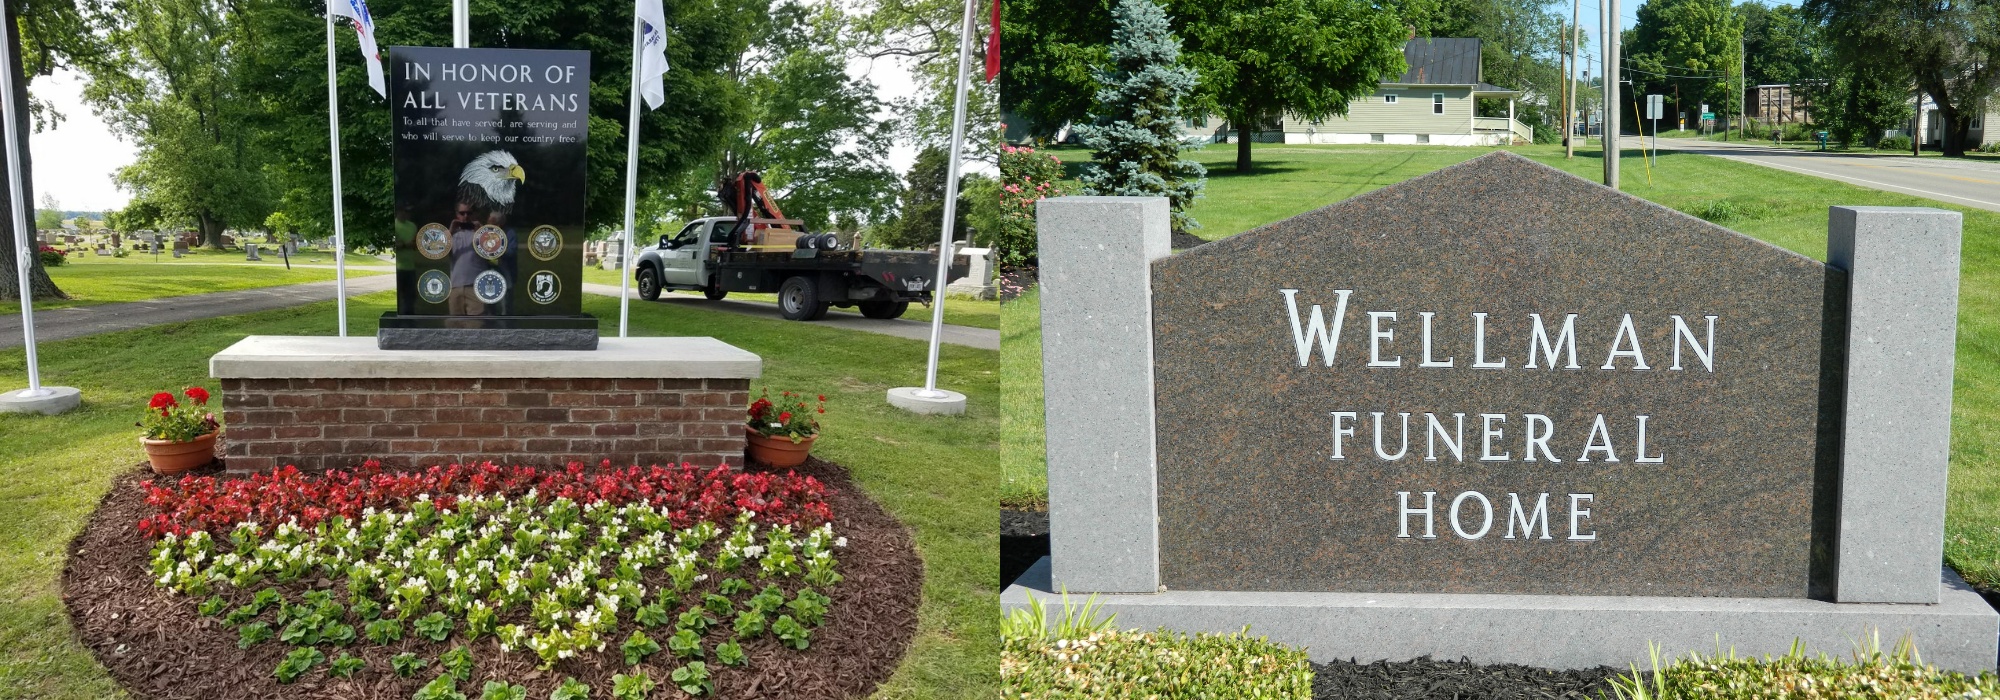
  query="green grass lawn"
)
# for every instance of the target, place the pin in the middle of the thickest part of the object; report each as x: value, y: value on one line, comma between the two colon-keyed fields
x: 934, y: 473
x: 90, y: 284
x: 1786, y: 209
x: 1023, y: 469
x: 200, y: 256
x: 958, y: 310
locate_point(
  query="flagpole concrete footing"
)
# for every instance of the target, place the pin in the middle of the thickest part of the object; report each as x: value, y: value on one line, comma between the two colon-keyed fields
x: 50, y: 401
x: 914, y: 400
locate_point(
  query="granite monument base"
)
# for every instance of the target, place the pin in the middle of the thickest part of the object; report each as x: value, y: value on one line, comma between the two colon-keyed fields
x: 1960, y: 632
x: 397, y: 332
x: 320, y: 402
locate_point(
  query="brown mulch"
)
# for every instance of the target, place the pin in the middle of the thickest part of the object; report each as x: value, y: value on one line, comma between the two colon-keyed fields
x: 155, y: 643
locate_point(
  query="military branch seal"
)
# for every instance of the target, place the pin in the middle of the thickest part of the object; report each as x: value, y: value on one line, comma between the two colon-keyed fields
x: 545, y: 243
x: 434, y: 241
x: 434, y: 286
x: 490, y: 242
x: 490, y: 286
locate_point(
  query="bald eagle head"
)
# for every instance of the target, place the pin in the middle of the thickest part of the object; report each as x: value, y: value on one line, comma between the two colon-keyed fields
x: 490, y: 179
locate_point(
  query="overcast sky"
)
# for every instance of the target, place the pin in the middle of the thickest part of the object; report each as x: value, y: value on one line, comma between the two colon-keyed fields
x: 76, y: 160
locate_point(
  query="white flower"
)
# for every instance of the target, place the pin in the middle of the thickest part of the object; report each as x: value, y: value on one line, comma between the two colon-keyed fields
x: 842, y: 542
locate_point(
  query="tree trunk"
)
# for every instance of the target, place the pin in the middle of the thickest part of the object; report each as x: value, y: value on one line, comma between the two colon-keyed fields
x: 39, y: 284
x: 1242, y: 148
x: 211, y: 232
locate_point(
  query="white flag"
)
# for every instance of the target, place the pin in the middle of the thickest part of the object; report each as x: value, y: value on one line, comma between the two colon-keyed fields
x: 364, y: 26
x: 652, y: 58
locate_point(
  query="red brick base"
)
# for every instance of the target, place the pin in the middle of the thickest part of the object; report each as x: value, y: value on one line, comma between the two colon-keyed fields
x: 339, y: 423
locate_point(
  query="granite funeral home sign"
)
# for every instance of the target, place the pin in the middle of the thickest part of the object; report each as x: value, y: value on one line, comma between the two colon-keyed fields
x: 1499, y: 397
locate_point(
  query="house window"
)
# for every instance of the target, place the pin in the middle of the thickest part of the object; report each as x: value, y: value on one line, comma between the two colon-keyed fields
x: 1388, y: 99
x: 1437, y: 103
x: 1197, y: 122
x: 1421, y: 138
x: 1374, y: 138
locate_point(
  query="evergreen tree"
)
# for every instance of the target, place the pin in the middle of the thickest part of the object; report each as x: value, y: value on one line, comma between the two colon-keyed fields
x: 920, y: 216
x: 1136, y: 139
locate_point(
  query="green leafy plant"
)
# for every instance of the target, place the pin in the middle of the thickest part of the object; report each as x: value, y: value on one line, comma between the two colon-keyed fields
x: 571, y: 689
x: 790, y: 418
x: 346, y: 666
x: 366, y: 609
x: 637, y: 647
x: 337, y: 633
x: 252, y: 634
x: 242, y: 614
x: 717, y: 604
x: 731, y: 653
x: 1111, y: 664
x: 695, y: 620
x: 652, y: 616
x: 384, y: 631
x: 768, y: 600
x: 303, y: 631
x: 297, y: 663
x: 810, y: 607
x: 749, y: 624
x: 685, y: 644
x: 435, y: 626
x: 480, y: 619
x: 407, y: 664
x: 632, y: 687
x: 443, y: 687
x: 213, y: 606
x: 166, y: 418
x: 790, y: 632
x: 693, y: 679
x: 500, y: 690
x: 457, y: 662
x: 1030, y: 623
x: 733, y: 586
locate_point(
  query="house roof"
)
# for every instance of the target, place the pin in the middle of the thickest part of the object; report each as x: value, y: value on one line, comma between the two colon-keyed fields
x: 1441, y: 62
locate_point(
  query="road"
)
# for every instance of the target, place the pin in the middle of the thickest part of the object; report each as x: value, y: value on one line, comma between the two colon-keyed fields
x: 1953, y: 181
x: 71, y: 322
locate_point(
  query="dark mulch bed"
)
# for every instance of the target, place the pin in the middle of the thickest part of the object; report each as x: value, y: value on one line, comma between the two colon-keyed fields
x: 1456, y: 680
x: 1024, y: 538
x: 1182, y: 240
x: 157, y: 646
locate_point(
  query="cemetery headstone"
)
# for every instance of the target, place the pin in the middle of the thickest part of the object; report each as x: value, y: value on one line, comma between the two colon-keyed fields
x: 978, y: 281
x: 250, y: 252
x: 1502, y: 412
x: 489, y: 199
x: 612, y: 257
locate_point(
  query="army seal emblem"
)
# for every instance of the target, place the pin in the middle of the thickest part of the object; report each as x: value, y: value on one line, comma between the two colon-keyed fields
x: 544, y: 287
x: 545, y: 242
x: 490, y: 286
x: 434, y: 241
x: 490, y: 242
x: 433, y: 286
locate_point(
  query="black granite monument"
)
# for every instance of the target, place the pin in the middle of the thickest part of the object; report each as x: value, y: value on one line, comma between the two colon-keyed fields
x: 489, y: 168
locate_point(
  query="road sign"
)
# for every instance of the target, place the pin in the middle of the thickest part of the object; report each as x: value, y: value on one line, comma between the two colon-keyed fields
x: 1708, y: 116
x: 1655, y: 104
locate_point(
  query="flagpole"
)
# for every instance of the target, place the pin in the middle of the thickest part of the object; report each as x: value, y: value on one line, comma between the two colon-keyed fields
x: 631, y: 183
x: 22, y: 235
x: 339, y: 217
x: 930, y: 399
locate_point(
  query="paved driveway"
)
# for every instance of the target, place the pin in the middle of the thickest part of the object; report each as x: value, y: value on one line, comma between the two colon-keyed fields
x: 1955, y: 181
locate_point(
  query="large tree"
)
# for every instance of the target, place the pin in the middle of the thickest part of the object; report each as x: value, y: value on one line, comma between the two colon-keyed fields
x: 1689, y: 50
x: 813, y: 129
x: 45, y: 36
x: 1949, y: 49
x: 704, y: 103
x: 925, y: 33
x: 1050, y: 52
x: 1861, y: 101
x: 1260, y: 59
x: 1782, y: 46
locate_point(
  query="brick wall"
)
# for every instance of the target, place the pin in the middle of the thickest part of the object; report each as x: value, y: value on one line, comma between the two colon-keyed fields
x: 339, y: 423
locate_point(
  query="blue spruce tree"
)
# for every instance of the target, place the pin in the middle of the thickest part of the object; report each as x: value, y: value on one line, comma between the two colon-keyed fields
x: 1136, y: 139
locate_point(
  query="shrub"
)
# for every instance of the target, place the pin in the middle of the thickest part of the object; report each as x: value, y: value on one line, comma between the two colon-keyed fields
x: 1894, y: 143
x: 1872, y: 673
x: 52, y: 257
x: 1025, y: 178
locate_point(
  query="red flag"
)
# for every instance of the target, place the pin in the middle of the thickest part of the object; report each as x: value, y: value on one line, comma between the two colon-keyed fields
x: 993, y: 46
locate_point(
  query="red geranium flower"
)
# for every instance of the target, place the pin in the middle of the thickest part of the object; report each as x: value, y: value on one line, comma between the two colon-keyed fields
x: 199, y: 394
x: 782, y: 417
x: 163, y: 400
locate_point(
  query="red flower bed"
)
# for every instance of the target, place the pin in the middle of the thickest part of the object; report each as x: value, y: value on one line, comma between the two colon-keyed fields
x: 689, y: 494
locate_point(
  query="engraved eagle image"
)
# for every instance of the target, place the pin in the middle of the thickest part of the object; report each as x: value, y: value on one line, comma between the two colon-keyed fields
x: 488, y: 181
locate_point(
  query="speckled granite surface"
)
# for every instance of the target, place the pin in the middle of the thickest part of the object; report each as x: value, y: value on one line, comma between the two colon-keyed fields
x: 1251, y: 500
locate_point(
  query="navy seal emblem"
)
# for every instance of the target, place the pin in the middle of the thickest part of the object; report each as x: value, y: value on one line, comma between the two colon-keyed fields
x: 433, y: 286
x: 545, y: 242
x: 544, y: 287
x: 490, y: 242
x: 434, y: 241
x: 490, y: 287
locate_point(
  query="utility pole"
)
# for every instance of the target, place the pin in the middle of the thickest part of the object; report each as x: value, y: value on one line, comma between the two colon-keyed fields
x: 1612, y: 71
x: 1569, y: 82
x: 1742, y: 92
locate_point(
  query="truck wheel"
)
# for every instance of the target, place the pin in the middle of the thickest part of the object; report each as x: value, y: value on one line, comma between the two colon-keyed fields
x: 884, y: 309
x: 714, y: 290
x: 799, y: 300
x: 649, y: 283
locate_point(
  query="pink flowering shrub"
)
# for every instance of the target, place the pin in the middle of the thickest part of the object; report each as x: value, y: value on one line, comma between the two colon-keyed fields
x: 1025, y: 178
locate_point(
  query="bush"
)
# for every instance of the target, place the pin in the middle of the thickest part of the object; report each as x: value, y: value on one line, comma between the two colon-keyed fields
x: 1894, y: 143
x: 52, y: 257
x: 1025, y: 178
x: 1083, y: 657
x: 1872, y: 674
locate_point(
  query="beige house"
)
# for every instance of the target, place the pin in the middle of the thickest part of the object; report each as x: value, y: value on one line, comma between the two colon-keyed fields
x: 1431, y: 103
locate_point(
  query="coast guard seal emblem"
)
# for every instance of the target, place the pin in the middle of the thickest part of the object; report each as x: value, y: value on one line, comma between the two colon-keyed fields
x: 433, y: 286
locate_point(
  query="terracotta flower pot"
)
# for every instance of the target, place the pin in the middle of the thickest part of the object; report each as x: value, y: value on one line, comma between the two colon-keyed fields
x: 780, y: 451
x: 169, y: 457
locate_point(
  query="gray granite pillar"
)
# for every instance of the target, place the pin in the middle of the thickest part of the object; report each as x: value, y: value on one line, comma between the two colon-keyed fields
x: 1097, y: 378
x: 1902, y: 265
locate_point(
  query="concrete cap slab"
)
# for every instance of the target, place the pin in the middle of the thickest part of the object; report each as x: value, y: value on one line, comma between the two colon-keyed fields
x: 909, y: 398
x: 52, y: 400
x: 328, y: 357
